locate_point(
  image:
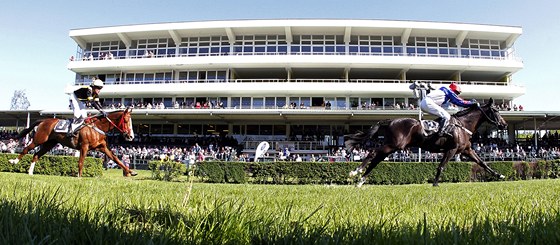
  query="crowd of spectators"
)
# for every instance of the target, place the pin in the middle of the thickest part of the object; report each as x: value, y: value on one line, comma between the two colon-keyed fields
x: 197, y: 149
x: 291, y: 105
x: 161, y: 105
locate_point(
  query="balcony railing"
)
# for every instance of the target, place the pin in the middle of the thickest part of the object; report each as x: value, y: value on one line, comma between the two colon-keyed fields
x: 274, y: 80
x: 398, y: 51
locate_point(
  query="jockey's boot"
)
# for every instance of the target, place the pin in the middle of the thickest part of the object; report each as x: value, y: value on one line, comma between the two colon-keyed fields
x: 73, y: 129
x: 443, y: 127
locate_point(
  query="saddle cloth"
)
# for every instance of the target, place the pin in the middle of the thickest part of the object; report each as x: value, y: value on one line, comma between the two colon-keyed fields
x: 429, y: 127
x: 62, y: 126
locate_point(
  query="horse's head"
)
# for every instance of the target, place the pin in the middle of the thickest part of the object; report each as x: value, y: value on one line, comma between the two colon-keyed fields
x: 492, y: 114
x: 122, y: 121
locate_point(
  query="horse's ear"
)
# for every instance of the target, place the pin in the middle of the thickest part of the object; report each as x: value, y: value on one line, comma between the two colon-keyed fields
x: 128, y: 109
x: 491, y: 102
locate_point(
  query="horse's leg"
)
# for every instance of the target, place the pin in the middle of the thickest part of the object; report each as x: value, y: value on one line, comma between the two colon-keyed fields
x: 360, y: 168
x: 23, y: 152
x: 446, y: 156
x: 379, y: 155
x: 83, y: 154
x: 46, y: 147
x: 126, y: 171
x: 472, y: 154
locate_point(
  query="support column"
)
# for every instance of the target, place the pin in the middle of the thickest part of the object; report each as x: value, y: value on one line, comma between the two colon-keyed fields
x: 535, y: 132
x: 512, y: 134
x: 230, y: 129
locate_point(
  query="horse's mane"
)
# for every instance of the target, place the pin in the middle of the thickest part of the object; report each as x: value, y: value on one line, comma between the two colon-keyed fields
x: 464, y: 112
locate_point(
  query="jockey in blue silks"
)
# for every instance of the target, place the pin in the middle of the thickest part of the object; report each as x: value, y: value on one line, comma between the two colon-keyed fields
x: 433, y: 101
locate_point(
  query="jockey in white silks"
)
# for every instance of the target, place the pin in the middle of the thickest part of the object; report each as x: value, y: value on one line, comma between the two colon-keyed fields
x: 432, y: 104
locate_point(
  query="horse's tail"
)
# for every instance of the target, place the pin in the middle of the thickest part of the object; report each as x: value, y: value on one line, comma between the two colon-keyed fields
x: 26, y: 131
x: 354, y: 140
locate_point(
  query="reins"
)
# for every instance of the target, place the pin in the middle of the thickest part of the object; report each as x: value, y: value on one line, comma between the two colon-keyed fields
x: 494, y: 121
x: 121, y: 123
x: 118, y: 127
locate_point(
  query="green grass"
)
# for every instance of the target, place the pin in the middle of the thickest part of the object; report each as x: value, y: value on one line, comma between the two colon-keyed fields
x: 117, y: 210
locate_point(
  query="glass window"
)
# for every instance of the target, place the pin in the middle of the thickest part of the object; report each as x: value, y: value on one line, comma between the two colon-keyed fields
x: 167, y: 129
x: 279, y: 129
x: 253, y: 129
x: 410, y: 50
x: 155, y: 128
x: 183, y: 129
x: 399, y: 102
x: 354, y: 102
x: 168, y: 102
x: 294, y: 100
x: 377, y: 102
x: 196, y: 129
x: 258, y: 103
x: 235, y: 102
x: 280, y: 102
x: 246, y: 102
x: 269, y: 102
x: 340, y: 102
x: 223, y: 101
x: 265, y: 130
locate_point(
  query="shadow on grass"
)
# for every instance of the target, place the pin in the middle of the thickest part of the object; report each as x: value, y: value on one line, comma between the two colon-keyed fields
x: 47, y: 217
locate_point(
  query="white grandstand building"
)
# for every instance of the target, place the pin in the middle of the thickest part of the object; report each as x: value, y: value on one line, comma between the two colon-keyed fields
x: 272, y: 80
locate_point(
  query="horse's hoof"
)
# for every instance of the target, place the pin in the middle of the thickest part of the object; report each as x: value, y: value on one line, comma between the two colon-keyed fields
x: 435, y: 185
x: 361, y: 182
x: 502, y: 176
x: 130, y: 174
x: 13, y: 161
x: 353, y: 173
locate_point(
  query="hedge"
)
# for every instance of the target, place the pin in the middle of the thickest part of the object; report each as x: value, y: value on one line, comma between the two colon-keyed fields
x: 166, y: 170
x: 52, y: 165
x: 392, y: 173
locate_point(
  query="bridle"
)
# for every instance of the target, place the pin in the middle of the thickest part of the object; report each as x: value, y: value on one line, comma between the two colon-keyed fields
x: 494, y: 119
x: 120, y: 126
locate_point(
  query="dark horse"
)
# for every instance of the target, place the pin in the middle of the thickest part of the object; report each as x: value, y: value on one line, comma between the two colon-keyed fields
x: 408, y: 132
x: 90, y: 137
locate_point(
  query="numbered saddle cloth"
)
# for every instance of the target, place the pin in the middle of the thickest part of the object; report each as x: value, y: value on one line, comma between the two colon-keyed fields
x: 62, y: 126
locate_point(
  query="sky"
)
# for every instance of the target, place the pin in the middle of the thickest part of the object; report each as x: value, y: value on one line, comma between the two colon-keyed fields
x: 35, y: 45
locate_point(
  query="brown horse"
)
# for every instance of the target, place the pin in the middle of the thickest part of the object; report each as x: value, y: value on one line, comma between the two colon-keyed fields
x: 90, y: 137
x: 408, y: 132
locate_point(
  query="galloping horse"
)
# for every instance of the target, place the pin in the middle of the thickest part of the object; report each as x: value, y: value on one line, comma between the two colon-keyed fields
x: 90, y: 137
x: 408, y: 132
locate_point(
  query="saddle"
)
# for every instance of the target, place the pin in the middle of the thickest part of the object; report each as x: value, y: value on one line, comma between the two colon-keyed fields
x: 430, y: 127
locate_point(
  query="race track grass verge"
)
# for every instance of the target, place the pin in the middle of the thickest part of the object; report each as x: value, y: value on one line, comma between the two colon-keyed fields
x: 117, y: 210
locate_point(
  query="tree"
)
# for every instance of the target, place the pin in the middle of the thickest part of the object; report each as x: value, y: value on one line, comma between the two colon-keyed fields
x: 19, y: 101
